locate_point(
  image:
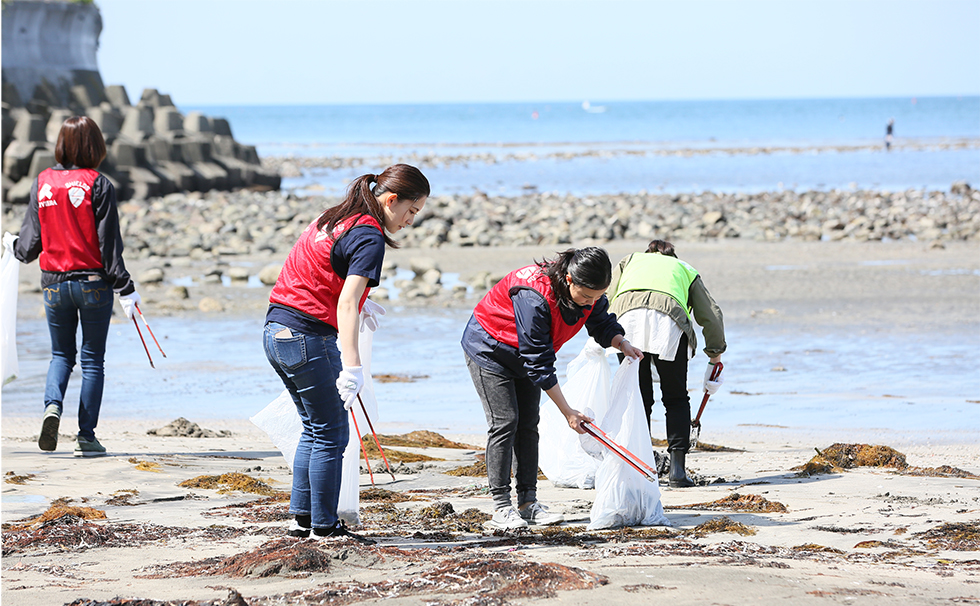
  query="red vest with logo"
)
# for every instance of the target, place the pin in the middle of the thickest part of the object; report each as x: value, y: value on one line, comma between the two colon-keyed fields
x: 307, y: 281
x: 69, y: 239
x: 495, y: 312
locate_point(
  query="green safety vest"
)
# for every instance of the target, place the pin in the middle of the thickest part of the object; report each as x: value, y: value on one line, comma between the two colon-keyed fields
x: 658, y: 273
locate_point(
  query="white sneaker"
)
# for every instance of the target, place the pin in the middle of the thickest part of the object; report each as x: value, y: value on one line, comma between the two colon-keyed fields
x: 506, y: 518
x: 538, y: 514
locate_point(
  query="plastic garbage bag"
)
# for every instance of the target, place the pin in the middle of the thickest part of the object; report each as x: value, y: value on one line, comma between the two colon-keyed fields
x: 624, y: 497
x: 348, y: 507
x: 586, y: 389
x: 281, y: 421
x: 9, y: 278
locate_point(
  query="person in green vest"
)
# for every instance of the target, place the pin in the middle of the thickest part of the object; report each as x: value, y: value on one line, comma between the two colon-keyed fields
x: 657, y: 298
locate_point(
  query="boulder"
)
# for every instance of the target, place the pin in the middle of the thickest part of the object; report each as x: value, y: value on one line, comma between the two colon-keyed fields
x: 269, y: 274
x: 196, y: 122
x: 152, y: 275
x: 210, y: 305
x: 420, y: 265
x: 167, y: 119
x: 108, y: 119
x: 220, y: 126
x: 116, y: 94
x: 124, y: 153
x: 17, y: 158
x: 139, y: 183
x: 151, y: 97
x: 55, y: 122
x: 210, y: 176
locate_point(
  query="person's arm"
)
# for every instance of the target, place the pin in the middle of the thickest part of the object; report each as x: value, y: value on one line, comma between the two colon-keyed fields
x: 27, y: 247
x: 607, y: 332
x: 574, y: 417
x: 110, y: 238
x: 347, y: 318
x: 532, y: 320
x: 708, y: 315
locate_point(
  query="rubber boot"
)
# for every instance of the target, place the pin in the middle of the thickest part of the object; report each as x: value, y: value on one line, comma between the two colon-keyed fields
x: 678, y: 474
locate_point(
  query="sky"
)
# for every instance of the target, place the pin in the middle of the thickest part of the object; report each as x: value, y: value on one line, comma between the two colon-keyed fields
x: 275, y: 52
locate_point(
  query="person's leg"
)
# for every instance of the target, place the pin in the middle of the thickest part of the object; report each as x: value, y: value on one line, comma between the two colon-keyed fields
x: 94, y: 302
x: 499, y: 398
x: 62, y: 315
x: 526, y: 440
x: 309, y: 366
x: 677, y: 403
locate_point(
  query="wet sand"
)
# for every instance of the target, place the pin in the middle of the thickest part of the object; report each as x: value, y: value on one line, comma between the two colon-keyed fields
x: 870, y: 534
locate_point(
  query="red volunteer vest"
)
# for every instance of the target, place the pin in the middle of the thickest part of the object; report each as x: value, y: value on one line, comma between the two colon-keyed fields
x: 307, y: 281
x: 69, y: 239
x: 495, y: 312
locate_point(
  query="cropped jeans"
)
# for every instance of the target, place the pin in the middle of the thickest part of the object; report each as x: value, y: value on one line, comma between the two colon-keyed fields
x: 512, y: 408
x: 309, y: 366
x: 65, y: 304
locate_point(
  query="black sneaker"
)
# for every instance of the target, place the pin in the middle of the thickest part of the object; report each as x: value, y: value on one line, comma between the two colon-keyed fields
x: 339, y: 531
x: 295, y: 530
x: 48, y: 441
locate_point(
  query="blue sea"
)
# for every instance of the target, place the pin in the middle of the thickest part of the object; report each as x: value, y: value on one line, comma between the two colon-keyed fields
x: 587, y: 148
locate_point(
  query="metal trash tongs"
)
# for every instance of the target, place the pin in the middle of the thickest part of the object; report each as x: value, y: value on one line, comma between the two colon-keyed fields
x: 631, y: 459
x: 376, y: 441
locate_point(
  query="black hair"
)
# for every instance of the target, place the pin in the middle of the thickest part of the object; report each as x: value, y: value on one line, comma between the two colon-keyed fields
x: 663, y: 247
x: 406, y: 181
x: 589, y: 268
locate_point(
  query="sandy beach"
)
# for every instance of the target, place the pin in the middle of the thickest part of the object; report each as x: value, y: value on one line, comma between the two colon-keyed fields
x: 757, y: 531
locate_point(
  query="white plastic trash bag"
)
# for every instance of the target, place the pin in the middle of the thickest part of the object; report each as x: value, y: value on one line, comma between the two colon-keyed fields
x: 9, y: 278
x: 624, y: 497
x: 349, y: 505
x: 281, y: 421
x: 586, y: 388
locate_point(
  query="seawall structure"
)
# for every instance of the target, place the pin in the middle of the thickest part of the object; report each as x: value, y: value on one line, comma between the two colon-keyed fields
x: 50, y: 73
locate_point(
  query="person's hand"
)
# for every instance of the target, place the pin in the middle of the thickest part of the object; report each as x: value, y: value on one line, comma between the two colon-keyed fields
x: 575, y: 420
x: 372, y: 312
x: 629, y: 351
x: 129, y: 302
x: 349, y: 384
x: 712, y: 386
x: 8, y: 241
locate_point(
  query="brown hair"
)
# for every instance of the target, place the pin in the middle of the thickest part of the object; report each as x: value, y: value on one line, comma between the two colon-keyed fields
x: 80, y: 143
x: 403, y: 180
x: 589, y: 268
x: 663, y: 247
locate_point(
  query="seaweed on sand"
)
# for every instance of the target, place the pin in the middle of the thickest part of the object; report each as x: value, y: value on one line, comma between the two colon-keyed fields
x: 440, y: 516
x: 840, y: 457
x: 232, y: 481
x: 423, y: 439
x: 58, y: 509
x: 737, y: 502
x: 476, y: 470
x: 943, y: 471
x: 145, y: 465
x: 722, y: 524
x: 953, y: 536
x: 395, y: 456
x: 11, y: 478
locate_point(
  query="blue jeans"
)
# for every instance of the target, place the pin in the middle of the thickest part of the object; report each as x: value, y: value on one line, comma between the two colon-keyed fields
x: 309, y: 366
x: 64, y: 304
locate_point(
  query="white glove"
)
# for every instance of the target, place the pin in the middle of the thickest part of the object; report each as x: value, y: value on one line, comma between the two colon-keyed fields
x: 712, y: 386
x: 129, y: 302
x: 371, y: 312
x: 349, y: 384
x: 8, y: 241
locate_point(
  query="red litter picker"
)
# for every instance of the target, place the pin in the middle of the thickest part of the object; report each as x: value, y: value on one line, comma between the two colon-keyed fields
x: 631, y: 459
x: 696, y: 422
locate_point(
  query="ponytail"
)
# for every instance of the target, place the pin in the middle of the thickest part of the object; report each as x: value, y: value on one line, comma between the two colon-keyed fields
x: 589, y: 268
x: 407, y: 182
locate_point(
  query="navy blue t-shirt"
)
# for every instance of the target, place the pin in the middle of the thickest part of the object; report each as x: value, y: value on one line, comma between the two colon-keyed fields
x: 360, y: 251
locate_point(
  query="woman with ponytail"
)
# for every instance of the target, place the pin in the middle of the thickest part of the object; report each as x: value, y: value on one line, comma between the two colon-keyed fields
x: 317, y: 299
x: 511, y: 343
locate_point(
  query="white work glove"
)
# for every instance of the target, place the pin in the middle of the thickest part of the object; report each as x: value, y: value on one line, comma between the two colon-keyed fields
x: 8, y: 241
x: 129, y: 302
x: 712, y: 386
x: 371, y: 312
x: 349, y: 384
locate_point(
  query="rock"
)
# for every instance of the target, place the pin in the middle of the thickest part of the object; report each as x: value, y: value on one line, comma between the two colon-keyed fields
x: 420, y: 265
x: 960, y: 188
x: 238, y: 273
x: 710, y: 218
x: 20, y: 193
x: 41, y: 160
x: 178, y: 292
x: 152, y: 275
x: 167, y: 119
x: 431, y: 276
x: 182, y: 428
x: 116, y: 94
x: 17, y: 158
x: 137, y: 123
x: 196, y: 122
x: 31, y: 128
x: 55, y: 122
x: 269, y: 274
x: 210, y: 305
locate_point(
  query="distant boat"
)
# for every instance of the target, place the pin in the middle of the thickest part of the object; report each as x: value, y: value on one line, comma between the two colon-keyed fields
x: 593, y: 109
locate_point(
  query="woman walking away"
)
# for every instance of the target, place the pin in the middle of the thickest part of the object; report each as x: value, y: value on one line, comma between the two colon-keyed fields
x: 320, y: 292
x: 510, y: 344
x: 72, y: 228
x: 654, y: 295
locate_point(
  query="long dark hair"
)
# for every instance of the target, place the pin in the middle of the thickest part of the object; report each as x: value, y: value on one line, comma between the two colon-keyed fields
x: 406, y: 181
x: 663, y: 247
x: 589, y: 268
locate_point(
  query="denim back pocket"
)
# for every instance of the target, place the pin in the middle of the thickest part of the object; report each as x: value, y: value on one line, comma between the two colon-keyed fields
x: 95, y: 294
x: 290, y: 352
x: 52, y: 296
